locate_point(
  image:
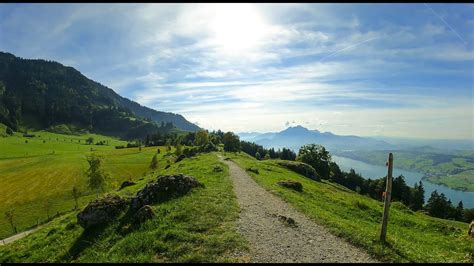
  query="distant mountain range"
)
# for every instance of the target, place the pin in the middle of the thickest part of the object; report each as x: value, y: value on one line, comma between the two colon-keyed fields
x: 295, y: 137
x: 41, y: 94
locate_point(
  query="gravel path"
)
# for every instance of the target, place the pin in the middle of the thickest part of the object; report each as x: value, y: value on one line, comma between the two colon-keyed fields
x: 273, y: 239
x: 18, y: 236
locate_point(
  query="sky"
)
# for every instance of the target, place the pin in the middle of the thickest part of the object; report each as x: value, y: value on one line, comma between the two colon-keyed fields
x: 399, y: 70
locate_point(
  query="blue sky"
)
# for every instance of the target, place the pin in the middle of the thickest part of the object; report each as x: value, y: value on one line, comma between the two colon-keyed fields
x: 402, y: 70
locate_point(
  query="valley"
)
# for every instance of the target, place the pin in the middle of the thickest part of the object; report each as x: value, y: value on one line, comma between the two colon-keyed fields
x: 44, y: 168
x: 453, y: 169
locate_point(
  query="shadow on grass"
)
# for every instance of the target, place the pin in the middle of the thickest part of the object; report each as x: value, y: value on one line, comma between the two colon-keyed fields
x: 85, y: 240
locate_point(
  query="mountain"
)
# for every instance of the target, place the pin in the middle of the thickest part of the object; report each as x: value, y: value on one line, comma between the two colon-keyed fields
x: 295, y: 137
x: 42, y: 94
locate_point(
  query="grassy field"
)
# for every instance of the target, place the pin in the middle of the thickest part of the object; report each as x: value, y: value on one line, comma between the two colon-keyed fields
x: 48, y: 165
x: 450, y: 168
x: 412, y: 237
x: 198, y: 227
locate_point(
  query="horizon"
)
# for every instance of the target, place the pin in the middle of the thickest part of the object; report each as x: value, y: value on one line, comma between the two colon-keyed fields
x: 383, y: 70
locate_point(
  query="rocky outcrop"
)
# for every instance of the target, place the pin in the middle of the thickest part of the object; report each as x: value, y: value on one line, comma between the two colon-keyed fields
x: 291, y: 184
x: 144, y: 213
x: 101, y: 211
x: 253, y: 170
x: 126, y: 184
x: 302, y: 169
x: 164, y: 188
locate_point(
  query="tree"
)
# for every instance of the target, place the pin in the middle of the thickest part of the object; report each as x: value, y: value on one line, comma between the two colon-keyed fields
x: 439, y: 206
x: 47, y: 207
x: 10, y: 215
x: 231, y: 142
x: 317, y: 156
x: 400, y: 190
x: 75, y: 194
x: 89, y: 140
x: 202, y: 138
x: 335, y: 173
x: 418, y: 197
x: 154, y: 162
x: 267, y: 156
x: 459, y: 212
x: 96, y: 175
x: 179, y: 149
x: 257, y: 156
x: 9, y: 131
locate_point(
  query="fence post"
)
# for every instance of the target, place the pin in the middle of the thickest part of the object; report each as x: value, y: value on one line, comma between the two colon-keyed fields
x: 388, y: 192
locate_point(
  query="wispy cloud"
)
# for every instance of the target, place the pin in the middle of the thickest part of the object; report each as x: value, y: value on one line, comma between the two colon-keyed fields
x: 352, y: 69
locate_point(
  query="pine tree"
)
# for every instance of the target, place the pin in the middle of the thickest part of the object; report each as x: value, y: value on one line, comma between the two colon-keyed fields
x: 75, y: 194
x: 154, y: 162
x: 96, y: 175
x: 257, y: 156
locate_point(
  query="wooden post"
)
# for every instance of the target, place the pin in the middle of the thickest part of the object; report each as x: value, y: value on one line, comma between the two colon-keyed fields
x: 388, y: 192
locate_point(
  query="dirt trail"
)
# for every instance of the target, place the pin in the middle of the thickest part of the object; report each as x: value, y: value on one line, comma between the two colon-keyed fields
x: 274, y: 240
x: 18, y: 236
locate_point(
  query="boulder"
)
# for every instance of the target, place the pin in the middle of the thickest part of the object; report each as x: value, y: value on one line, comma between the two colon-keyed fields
x: 287, y: 220
x: 101, y: 211
x: 291, y: 184
x: 217, y: 168
x: 253, y: 170
x: 126, y: 184
x: 144, y: 213
x: 164, y: 188
x: 302, y: 169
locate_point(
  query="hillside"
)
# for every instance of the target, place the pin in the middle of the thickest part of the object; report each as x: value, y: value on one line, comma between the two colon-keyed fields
x: 39, y: 94
x: 44, y: 168
x: 201, y: 226
x: 295, y: 137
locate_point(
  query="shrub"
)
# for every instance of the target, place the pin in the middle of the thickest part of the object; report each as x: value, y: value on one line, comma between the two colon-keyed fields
x: 302, y: 169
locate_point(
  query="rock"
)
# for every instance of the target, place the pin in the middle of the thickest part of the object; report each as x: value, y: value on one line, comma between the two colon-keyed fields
x: 218, y: 169
x: 253, y: 170
x: 180, y: 158
x: 126, y: 184
x: 291, y: 184
x: 302, y: 169
x: 144, y: 213
x: 164, y: 188
x: 287, y: 220
x: 101, y: 211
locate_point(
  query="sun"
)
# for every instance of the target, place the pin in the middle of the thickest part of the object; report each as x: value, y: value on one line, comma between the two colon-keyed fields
x: 237, y: 28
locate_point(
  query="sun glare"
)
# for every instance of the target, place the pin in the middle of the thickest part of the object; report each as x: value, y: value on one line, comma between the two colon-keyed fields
x: 237, y: 28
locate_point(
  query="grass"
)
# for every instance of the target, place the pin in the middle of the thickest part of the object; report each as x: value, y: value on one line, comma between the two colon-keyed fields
x: 198, y: 227
x: 461, y: 181
x: 411, y: 237
x: 47, y: 167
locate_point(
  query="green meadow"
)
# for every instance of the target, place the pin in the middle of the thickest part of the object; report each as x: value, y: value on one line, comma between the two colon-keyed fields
x: 41, y: 169
x: 412, y: 236
x: 198, y: 227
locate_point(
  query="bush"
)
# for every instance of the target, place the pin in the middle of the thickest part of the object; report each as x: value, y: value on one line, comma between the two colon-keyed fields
x: 292, y: 185
x: 302, y: 169
x: 209, y: 147
x: 9, y: 131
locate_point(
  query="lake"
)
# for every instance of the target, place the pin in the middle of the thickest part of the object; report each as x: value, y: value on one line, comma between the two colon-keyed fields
x: 377, y: 171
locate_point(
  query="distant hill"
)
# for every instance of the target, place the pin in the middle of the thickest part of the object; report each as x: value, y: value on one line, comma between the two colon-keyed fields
x: 295, y: 137
x: 41, y: 94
